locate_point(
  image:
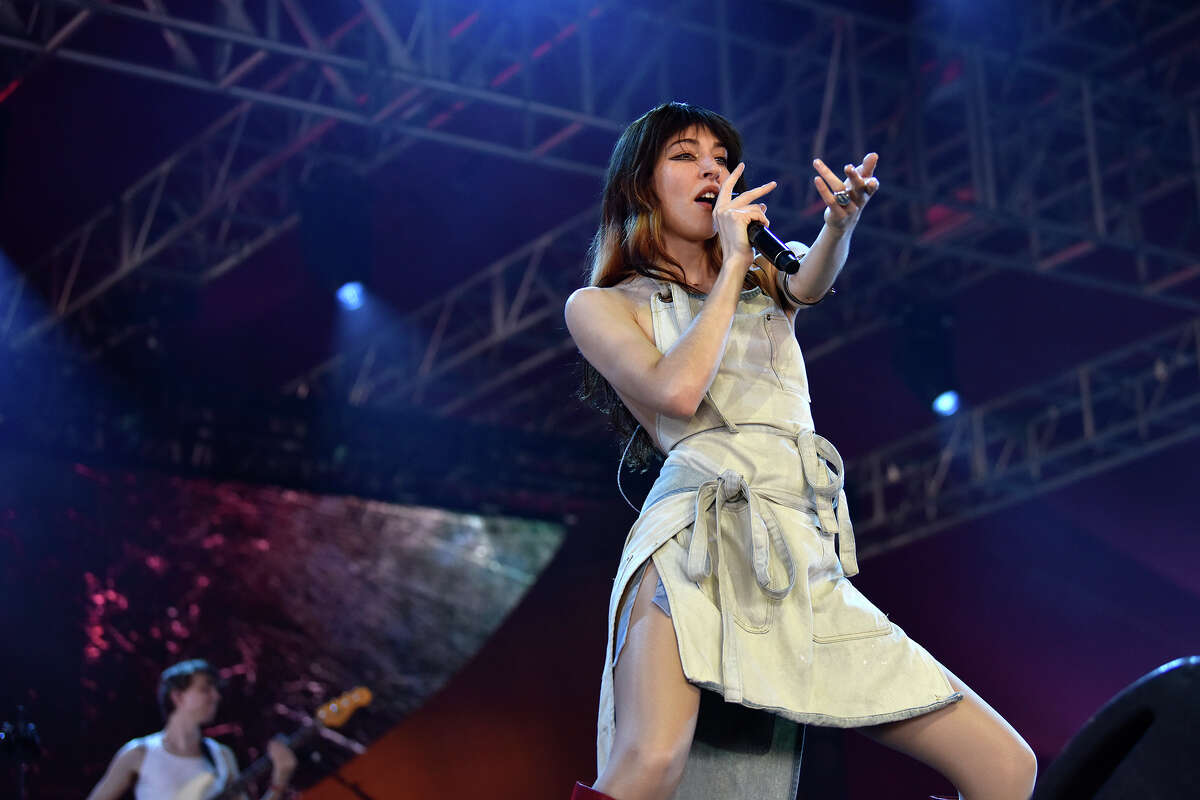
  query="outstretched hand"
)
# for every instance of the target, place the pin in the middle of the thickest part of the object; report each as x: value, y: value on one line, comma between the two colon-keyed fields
x: 858, y: 187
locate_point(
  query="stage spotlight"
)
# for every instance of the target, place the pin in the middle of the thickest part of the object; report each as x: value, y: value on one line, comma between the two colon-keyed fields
x: 351, y: 295
x: 924, y: 353
x: 946, y: 403
x: 336, y: 232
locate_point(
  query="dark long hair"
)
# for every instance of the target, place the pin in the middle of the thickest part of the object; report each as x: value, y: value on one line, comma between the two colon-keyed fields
x: 630, y: 241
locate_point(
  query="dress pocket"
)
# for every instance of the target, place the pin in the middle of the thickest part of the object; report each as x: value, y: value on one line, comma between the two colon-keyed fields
x: 787, y: 362
x: 842, y: 614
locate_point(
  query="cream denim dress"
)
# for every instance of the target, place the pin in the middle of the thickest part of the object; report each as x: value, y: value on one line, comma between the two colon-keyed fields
x: 748, y: 528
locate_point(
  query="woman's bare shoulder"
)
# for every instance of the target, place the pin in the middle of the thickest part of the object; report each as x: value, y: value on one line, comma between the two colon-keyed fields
x: 631, y: 294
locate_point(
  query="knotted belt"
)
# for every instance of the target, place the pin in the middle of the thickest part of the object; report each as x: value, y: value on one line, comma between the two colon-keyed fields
x: 824, y: 472
x: 712, y: 495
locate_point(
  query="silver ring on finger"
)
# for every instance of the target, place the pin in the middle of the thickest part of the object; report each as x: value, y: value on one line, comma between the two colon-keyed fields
x: 842, y: 198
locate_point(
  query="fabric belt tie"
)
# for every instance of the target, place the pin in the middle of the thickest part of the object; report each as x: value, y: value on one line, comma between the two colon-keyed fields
x: 824, y: 471
x: 710, y: 498
x: 826, y: 474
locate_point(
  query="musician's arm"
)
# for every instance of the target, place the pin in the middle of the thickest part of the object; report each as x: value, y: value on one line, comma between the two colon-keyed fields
x: 270, y: 794
x: 283, y: 764
x: 121, y: 773
x: 232, y: 766
x: 275, y: 793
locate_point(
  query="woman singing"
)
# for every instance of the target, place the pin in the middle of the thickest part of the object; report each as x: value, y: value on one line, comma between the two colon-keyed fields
x: 734, y: 577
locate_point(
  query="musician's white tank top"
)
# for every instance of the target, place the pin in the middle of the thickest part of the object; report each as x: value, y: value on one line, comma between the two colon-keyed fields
x: 163, y: 774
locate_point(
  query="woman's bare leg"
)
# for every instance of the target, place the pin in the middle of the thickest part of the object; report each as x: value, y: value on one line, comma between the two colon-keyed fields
x: 655, y: 706
x: 970, y: 744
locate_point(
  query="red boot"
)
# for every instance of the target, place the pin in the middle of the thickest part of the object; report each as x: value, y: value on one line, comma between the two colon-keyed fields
x: 588, y: 793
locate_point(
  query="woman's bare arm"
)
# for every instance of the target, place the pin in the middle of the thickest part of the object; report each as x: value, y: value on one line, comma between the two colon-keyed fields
x: 820, y: 266
x: 602, y: 323
x: 604, y: 328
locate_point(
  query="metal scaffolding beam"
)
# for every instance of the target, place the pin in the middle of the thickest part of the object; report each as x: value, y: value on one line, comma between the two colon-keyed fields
x: 992, y: 159
x: 1056, y: 158
x: 228, y: 193
x: 1136, y: 400
x: 991, y: 114
x: 417, y: 355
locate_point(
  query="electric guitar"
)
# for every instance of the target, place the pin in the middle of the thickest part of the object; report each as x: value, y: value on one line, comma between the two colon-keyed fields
x: 331, y: 715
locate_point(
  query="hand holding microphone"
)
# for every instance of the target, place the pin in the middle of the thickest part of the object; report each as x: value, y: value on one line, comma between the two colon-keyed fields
x: 729, y: 205
x: 771, y: 246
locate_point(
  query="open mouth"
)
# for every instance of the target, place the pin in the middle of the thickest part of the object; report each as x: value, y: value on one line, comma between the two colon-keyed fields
x: 708, y: 198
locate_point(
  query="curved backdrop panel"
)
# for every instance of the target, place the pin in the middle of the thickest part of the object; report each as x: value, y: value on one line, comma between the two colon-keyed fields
x: 111, y: 575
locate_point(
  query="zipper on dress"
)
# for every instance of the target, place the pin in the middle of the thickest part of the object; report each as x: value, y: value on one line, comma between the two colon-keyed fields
x: 771, y: 341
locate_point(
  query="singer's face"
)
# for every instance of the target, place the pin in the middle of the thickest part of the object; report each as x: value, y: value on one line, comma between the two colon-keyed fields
x: 692, y: 163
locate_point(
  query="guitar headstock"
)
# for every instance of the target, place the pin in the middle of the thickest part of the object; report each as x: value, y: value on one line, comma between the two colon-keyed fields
x: 335, y: 713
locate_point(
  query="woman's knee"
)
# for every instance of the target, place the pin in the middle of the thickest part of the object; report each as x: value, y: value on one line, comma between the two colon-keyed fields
x: 1017, y: 769
x: 1006, y: 773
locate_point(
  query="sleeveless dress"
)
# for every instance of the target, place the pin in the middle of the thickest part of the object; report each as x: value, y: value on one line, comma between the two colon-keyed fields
x: 748, y: 528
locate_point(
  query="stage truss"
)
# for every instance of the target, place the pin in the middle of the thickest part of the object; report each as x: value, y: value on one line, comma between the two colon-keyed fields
x: 1052, y: 148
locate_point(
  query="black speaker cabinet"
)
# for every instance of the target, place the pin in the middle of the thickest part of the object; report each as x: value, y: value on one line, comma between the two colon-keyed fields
x: 1144, y: 744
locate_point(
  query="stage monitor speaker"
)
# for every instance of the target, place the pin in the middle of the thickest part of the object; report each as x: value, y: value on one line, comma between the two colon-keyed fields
x: 1144, y: 743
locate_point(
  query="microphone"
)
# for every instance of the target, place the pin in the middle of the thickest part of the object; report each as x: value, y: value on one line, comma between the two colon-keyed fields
x: 771, y: 246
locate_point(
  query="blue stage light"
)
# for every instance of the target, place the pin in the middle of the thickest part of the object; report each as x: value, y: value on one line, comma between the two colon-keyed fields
x: 351, y: 295
x: 946, y: 403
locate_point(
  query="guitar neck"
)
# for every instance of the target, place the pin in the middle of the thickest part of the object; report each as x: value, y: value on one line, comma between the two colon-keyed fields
x: 331, y: 715
x: 262, y: 765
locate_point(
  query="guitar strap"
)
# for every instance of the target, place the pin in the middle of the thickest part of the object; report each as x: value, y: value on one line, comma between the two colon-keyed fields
x: 212, y: 751
x: 208, y: 753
